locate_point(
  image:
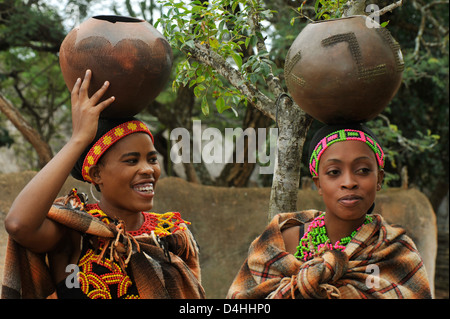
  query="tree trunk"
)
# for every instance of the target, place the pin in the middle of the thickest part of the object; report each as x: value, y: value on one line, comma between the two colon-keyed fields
x: 293, y: 124
x: 42, y: 148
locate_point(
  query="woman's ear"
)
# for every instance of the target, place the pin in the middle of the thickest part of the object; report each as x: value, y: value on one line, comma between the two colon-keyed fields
x: 317, y: 183
x: 94, y: 173
x: 380, y: 179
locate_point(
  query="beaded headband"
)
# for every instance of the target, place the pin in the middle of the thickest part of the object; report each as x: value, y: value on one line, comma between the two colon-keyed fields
x: 108, y: 140
x: 344, y: 135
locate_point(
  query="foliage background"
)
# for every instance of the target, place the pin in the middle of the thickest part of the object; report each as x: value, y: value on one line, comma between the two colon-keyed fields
x: 413, y: 129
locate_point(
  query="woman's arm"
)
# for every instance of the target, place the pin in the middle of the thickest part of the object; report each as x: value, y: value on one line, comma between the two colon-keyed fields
x: 26, y: 221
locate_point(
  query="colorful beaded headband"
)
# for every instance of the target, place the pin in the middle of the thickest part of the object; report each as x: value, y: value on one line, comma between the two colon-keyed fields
x: 344, y: 135
x: 107, y: 140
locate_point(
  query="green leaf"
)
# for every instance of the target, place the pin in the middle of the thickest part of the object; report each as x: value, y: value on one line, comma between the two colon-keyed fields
x: 265, y: 68
x: 190, y: 43
x: 237, y: 59
x: 193, y: 82
x: 247, y: 42
x: 234, y: 5
x: 198, y: 90
x: 220, y: 105
x: 205, y: 106
x: 214, y: 43
x: 221, y: 25
x: 316, y: 6
x: 393, y: 127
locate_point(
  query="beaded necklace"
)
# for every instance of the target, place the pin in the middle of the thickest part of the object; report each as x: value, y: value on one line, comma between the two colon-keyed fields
x: 161, y: 224
x: 315, y: 239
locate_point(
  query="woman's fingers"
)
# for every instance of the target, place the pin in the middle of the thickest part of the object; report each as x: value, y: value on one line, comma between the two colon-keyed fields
x: 103, y: 105
x: 80, y: 98
x: 97, y: 95
x: 75, y: 91
x: 85, y: 85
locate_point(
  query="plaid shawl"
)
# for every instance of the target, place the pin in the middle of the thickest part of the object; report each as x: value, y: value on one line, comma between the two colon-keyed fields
x: 380, y: 262
x: 26, y: 274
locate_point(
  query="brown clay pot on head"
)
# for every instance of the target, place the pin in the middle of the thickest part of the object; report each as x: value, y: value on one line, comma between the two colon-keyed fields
x: 343, y: 70
x: 129, y: 53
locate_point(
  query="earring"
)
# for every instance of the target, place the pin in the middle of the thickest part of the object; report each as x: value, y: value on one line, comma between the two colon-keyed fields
x: 92, y: 193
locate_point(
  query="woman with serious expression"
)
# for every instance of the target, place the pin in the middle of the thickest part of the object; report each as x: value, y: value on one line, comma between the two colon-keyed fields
x: 348, y: 180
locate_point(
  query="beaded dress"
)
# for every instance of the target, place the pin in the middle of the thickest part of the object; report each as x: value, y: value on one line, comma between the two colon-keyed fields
x: 103, y: 278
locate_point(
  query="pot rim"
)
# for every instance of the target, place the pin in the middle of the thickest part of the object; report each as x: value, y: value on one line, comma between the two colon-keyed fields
x: 117, y: 18
x: 341, y: 18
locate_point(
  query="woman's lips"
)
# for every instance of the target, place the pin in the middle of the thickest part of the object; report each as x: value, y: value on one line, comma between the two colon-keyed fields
x: 350, y: 200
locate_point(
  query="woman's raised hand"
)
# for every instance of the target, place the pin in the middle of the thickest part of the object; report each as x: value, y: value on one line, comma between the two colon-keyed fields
x: 85, y: 110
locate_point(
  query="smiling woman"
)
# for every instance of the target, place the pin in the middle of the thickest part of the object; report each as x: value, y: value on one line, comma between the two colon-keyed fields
x: 130, y: 253
x: 126, y: 176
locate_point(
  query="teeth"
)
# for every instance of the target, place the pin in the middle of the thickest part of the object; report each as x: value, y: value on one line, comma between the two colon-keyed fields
x: 144, y: 188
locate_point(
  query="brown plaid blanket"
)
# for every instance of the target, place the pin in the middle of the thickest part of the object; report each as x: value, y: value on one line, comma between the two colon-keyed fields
x: 380, y: 262
x: 26, y: 274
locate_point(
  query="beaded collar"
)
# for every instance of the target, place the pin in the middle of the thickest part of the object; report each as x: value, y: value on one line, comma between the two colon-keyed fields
x: 161, y: 224
x: 315, y: 239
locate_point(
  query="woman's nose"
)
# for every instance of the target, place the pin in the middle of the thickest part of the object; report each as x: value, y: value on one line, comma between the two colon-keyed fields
x: 146, y: 168
x: 348, y: 181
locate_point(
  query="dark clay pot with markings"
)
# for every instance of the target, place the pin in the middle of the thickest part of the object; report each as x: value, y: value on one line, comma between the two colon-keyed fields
x: 129, y: 53
x: 344, y: 70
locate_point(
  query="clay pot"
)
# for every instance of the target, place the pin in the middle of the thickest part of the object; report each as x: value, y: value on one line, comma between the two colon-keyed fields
x: 129, y: 53
x: 341, y: 70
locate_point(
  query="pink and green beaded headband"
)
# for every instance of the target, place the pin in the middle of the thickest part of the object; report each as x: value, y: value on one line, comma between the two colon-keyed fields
x: 344, y: 135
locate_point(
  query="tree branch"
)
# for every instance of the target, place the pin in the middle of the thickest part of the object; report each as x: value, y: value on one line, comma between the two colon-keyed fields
x: 354, y: 7
x: 425, y: 12
x: 202, y: 54
x: 272, y: 82
x: 389, y: 8
x: 42, y: 148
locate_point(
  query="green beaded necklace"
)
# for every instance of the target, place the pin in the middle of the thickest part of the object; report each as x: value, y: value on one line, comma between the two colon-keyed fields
x: 316, y: 238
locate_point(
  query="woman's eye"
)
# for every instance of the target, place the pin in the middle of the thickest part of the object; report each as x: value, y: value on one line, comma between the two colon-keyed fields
x: 364, y: 171
x: 131, y: 161
x: 333, y: 172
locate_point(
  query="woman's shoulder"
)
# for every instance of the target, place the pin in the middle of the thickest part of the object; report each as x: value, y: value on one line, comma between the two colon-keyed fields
x: 293, y: 226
